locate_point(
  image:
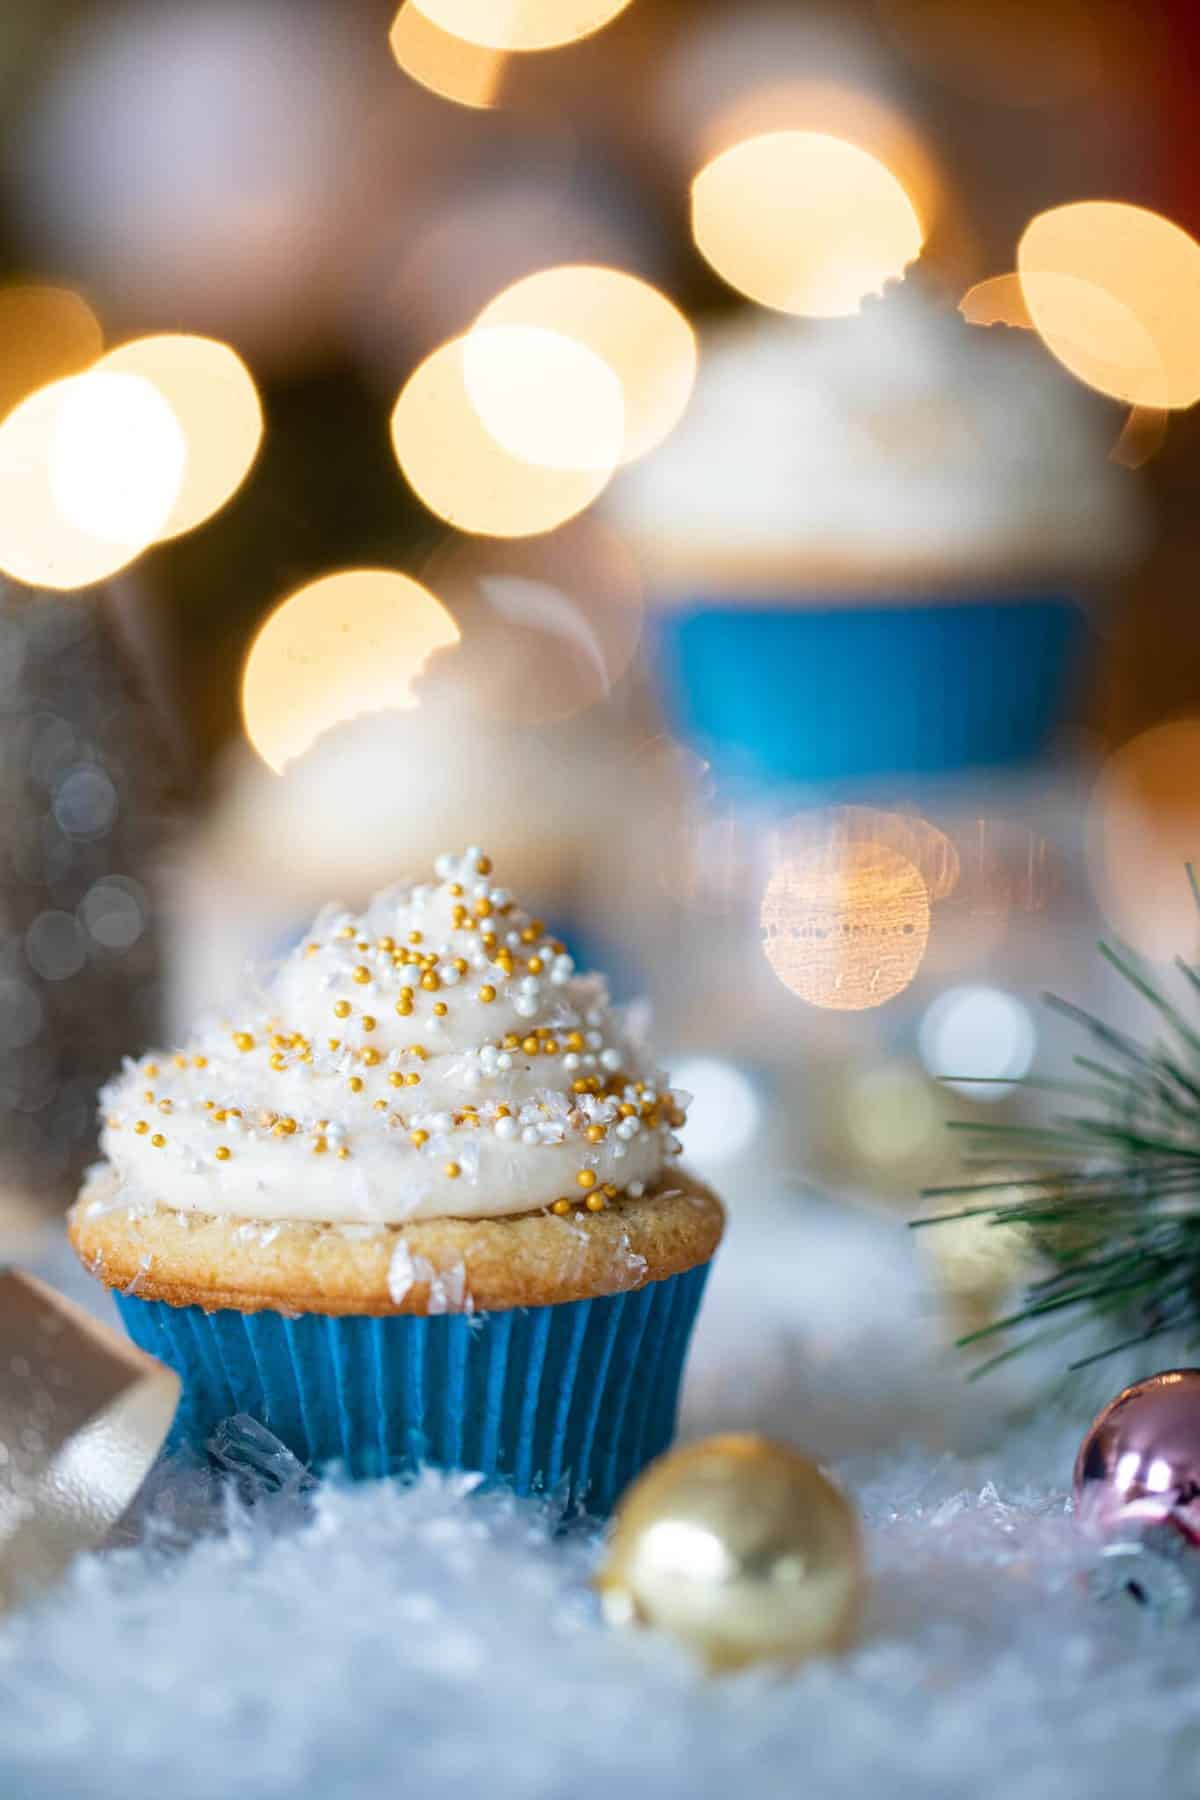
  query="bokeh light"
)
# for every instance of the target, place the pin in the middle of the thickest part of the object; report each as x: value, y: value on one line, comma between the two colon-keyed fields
x: 980, y: 1034
x: 46, y: 333
x: 443, y: 61
x: 545, y: 398
x: 1142, y: 436
x: 211, y: 392
x: 459, y: 468
x: 891, y: 1115
x: 1114, y: 292
x: 348, y: 643
x: 727, y: 1109
x: 521, y: 24
x: 1143, y: 829
x: 549, y: 624
x: 999, y: 300
x: 90, y: 468
x: 633, y: 328
x: 804, y: 222
x: 845, y: 925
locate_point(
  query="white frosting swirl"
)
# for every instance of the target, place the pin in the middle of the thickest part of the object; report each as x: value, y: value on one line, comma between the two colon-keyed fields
x: 901, y: 442
x: 436, y: 1057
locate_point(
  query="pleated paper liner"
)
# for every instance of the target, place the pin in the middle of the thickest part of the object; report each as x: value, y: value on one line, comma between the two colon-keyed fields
x: 571, y: 1399
x: 820, y: 693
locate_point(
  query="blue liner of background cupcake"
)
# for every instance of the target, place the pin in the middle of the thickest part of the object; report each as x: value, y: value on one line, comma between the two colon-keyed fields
x: 570, y: 1400
x: 814, y: 693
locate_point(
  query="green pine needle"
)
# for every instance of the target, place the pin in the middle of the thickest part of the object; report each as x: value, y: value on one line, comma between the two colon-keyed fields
x: 1111, y: 1196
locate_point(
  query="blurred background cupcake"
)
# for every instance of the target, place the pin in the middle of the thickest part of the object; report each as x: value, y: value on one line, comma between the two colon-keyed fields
x: 874, y: 545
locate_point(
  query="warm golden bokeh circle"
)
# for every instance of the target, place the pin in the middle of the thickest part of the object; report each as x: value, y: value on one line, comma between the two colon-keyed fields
x: 626, y: 322
x: 845, y: 924
x: 457, y: 466
x: 1143, y: 830
x: 545, y: 398
x: 804, y: 222
x: 46, y: 333
x: 520, y: 24
x: 348, y: 643
x: 212, y: 393
x: 1114, y: 292
x: 90, y: 468
x: 445, y: 63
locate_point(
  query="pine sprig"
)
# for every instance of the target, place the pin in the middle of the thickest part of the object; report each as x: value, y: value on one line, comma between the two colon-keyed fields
x: 1109, y: 1191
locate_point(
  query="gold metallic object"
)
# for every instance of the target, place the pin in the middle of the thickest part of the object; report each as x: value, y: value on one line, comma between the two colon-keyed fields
x: 741, y: 1549
x: 82, y: 1417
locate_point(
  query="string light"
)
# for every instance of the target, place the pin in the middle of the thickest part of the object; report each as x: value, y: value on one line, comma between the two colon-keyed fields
x: 545, y: 398
x: 46, y: 333
x: 463, y: 472
x: 845, y: 926
x: 1114, y: 292
x: 1143, y: 829
x: 346, y: 644
x: 628, y: 324
x: 521, y: 24
x: 212, y: 393
x: 90, y: 468
x: 804, y: 222
x: 445, y: 62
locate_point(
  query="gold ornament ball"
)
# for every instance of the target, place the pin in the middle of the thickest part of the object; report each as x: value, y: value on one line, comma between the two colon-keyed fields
x: 741, y: 1549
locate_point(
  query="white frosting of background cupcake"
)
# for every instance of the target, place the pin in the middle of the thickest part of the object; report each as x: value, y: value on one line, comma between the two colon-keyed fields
x: 901, y: 443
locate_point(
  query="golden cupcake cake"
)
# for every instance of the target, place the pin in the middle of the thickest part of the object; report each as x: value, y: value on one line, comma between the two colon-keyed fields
x: 419, y: 1202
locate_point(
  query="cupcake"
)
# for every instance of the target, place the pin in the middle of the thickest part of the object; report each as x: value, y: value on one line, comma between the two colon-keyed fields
x: 870, y: 541
x: 419, y: 1202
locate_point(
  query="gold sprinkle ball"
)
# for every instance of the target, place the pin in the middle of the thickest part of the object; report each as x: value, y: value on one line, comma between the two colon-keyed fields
x: 222, y: 1153
x: 355, y: 1084
x: 561, y: 1207
x: 452, y: 1171
x: 586, y: 1178
x: 361, y: 974
x: 243, y: 1040
x: 158, y: 1140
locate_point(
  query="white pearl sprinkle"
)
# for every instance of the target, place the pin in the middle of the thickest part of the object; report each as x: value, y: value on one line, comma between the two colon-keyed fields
x: 610, y: 1059
x: 570, y: 1060
x: 471, y: 1078
x: 504, y: 1060
x: 506, y: 1129
x: 449, y: 976
x: 559, y: 977
x: 636, y: 1189
x: 525, y: 1006
x: 531, y: 1135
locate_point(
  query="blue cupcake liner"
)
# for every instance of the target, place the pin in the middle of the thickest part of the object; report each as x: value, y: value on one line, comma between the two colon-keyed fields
x: 814, y: 693
x: 570, y: 1399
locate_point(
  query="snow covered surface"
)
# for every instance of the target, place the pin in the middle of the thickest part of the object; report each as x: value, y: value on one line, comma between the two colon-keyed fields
x: 386, y: 1640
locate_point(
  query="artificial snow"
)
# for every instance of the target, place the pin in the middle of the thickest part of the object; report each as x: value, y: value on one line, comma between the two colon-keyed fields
x: 332, y: 1642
